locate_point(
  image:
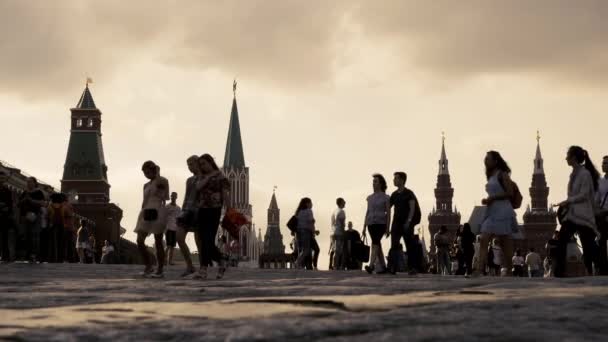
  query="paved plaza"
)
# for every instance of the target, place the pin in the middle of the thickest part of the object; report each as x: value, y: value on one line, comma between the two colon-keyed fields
x: 110, y: 302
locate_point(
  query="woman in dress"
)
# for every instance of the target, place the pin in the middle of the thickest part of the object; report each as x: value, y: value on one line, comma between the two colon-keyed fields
x: 500, y: 221
x: 213, y: 191
x: 377, y: 219
x: 153, y: 218
x: 580, y: 210
x: 305, y: 230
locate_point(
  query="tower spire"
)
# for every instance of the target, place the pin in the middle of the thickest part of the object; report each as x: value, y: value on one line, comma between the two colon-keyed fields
x: 234, y: 156
x: 538, y: 159
x: 443, y: 161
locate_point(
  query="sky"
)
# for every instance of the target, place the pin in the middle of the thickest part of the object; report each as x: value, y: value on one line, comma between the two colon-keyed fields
x: 328, y: 92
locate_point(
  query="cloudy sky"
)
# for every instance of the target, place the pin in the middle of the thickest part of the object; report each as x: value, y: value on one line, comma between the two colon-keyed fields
x: 329, y: 92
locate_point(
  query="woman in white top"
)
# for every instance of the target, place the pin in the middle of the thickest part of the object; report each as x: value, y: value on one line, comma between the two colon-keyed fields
x: 153, y: 218
x: 305, y: 230
x: 580, y: 210
x: 499, y: 221
x: 377, y: 219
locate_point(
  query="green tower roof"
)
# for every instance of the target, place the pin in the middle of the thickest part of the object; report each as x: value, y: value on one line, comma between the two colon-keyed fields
x: 234, y: 156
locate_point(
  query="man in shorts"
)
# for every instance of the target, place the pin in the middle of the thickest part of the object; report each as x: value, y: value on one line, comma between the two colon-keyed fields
x: 173, y: 211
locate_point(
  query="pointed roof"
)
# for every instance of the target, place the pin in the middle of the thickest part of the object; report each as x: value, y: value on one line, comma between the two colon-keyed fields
x: 538, y: 159
x: 443, y: 161
x: 86, y: 100
x: 234, y: 156
x: 273, y: 203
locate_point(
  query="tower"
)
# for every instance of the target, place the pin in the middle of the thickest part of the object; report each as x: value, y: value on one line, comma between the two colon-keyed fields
x: 238, y: 175
x: 443, y: 214
x: 539, y: 220
x: 273, y: 240
x: 85, y: 173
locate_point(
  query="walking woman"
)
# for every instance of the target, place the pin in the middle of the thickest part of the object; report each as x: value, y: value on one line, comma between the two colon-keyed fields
x: 467, y: 247
x: 153, y: 218
x: 305, y: 230
x: 213, y: 191
x: 186, y: 221
x: 378, y: 221
x: 500, y: 221
x: 580, y: 214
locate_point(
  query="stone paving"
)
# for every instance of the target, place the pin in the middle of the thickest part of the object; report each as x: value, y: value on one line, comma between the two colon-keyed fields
x: 111, y: 302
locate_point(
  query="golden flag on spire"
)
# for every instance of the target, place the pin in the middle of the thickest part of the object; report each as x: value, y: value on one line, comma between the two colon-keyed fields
x: 89, y: 80
x: 234, y: 87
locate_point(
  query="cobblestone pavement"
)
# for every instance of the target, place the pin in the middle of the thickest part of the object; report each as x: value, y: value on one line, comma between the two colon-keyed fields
x: 111, y: 302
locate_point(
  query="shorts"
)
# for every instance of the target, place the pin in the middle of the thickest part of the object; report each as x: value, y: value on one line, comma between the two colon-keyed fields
x: 171, y: 237
x: 377, y: 231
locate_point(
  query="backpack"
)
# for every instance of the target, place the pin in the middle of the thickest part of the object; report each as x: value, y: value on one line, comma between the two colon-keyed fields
x: 292, y: 224
x: 517, y: 197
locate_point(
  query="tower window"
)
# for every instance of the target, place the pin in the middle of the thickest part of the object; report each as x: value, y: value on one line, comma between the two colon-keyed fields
x: 78, y: 122
x: 90, y: 123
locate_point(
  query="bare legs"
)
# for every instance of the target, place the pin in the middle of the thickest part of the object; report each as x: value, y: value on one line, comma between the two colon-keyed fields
x: 143, y: 251
x: 183, y: 247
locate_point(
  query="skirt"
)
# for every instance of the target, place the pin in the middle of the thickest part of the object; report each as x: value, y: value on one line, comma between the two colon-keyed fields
x: 157, y: 226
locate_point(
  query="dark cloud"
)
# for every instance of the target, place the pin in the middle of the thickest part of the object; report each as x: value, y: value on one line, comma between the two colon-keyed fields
x: 47, y: 47
x: 558, y: 38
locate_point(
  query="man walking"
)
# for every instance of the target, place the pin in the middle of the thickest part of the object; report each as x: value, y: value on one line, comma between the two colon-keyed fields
x: 404, y: 204
x: 173, y: 211
x: 534, y: 263
x: 338, y: 225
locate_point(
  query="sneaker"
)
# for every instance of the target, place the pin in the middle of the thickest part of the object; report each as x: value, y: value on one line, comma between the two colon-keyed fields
x: 157, y: 275
x: 187, y: 273
x: 369, y: 269
x: 146, y: 273
x: 220, y: 272
x: 201, y: 275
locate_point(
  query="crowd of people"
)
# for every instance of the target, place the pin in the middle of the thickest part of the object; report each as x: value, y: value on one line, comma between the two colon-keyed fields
x: 36, y: 229
x: 584, y: 212
x: 45, y: 230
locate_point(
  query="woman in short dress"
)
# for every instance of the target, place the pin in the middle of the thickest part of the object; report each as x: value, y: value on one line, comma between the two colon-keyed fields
x: 500, y: 221
x: 153, y: 218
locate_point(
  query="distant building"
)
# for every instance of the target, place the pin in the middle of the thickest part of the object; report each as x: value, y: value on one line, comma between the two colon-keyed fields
x: 444, y: 213
x: 273, y: 255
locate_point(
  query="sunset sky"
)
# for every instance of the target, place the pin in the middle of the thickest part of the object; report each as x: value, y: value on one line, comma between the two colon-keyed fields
x: 329, y: 92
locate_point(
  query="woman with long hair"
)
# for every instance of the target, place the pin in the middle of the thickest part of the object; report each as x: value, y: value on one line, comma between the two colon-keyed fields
x: 580, y: 211
x: 152, y: 218
x: 214, y: 190
x: 305, y: 230
x: 500, y: 221
x: 378, y: 221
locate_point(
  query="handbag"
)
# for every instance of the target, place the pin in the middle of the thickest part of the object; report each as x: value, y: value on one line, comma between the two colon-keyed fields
x: 233, y: 221
x: 187, y: 219
x: 363, y: 250
x: 150, y: 214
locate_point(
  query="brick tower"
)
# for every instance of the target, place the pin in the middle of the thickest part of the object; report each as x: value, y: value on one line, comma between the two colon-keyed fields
x: 539, y: 220
x: 444, y: 214
x: 85, y: 173
x: 273, y: 240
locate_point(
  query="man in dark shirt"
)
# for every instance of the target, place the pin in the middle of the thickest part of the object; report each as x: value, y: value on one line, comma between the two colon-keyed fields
x: 6, y: 216
x: 403, y: 202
